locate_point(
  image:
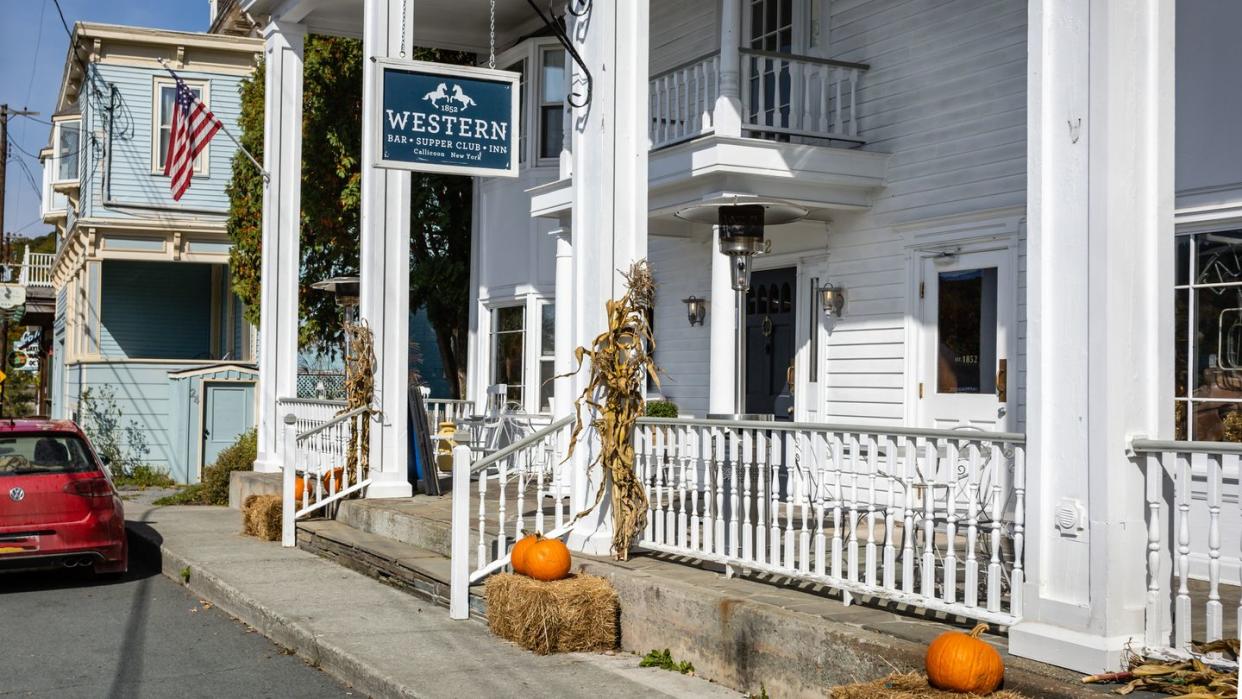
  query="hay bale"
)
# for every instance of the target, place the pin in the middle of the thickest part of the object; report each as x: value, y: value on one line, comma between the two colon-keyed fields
x: 578, y: 613
x: 261, y: 517
x: 912, y: 685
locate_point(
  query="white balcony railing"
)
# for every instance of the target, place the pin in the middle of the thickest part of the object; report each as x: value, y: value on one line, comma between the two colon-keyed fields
x: 1193, y: 557
x: 683, y: 101
x: 931, y: 518
x: 788, y: 95
x: 36, y: 269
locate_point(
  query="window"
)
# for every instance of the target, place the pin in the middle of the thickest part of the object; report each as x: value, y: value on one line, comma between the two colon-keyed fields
x: 508, y: 350
x: 547, y: 355
x: 520, y: 68
x: 165, y: 94
x: 1208, y: 336
x: 966, y: 331
x: 68, y: 150
x: 551, y: 103
x: 23, y: 454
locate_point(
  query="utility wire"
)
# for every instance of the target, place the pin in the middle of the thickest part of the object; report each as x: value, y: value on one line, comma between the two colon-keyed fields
x: 34, y: 58
x: 63, y: 23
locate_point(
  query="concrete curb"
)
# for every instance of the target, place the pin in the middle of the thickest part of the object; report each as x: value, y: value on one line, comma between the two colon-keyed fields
x: 276, y: 626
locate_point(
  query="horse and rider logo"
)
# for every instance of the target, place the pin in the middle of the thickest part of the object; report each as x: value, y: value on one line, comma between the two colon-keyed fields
x: 442, y: 93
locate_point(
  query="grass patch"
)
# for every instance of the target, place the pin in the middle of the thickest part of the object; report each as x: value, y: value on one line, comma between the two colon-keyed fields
x: 189, y: 495
x: 144, y: 476
x: 664, y: 660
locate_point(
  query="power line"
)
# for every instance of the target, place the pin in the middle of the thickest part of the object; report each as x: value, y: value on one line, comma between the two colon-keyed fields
x: 63, y: 23
x: 34, y: 58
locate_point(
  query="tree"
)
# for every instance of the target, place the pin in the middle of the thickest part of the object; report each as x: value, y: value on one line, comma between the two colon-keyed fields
x: 331, y: 205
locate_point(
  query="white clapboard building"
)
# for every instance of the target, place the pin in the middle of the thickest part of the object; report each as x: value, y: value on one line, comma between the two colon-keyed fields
x: 997, y: 316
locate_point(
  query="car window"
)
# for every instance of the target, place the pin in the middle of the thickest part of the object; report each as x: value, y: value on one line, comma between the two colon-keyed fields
x: 43, y: 453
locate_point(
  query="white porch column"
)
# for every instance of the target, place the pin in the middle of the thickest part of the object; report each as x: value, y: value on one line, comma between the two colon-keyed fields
x: 563, y: 388
x: 610, y: 202
x: 1100, y: 193
x: 722, y: 309
x: 728, y: 114
x: 385, y: 265
x: 282, y: 212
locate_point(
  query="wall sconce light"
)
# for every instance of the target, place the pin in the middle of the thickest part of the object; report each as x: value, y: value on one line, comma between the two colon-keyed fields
x: 832, y: 297
x: 696, y: 310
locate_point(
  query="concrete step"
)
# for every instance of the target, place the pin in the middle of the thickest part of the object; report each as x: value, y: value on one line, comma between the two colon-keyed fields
x: 748, y: 632
x: 429, y: 528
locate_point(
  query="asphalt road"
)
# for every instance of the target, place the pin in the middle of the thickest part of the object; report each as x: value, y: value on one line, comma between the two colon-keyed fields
x: 67, y: 635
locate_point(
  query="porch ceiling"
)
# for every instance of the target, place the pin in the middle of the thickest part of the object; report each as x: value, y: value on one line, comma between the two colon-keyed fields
x: 446, y: 24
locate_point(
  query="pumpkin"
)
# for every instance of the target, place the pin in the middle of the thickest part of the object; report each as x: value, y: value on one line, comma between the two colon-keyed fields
x: 335, y: 474
x: 517, y: 556
x: 299, y: 488
x: 547, y: 559
x: 958, y: 662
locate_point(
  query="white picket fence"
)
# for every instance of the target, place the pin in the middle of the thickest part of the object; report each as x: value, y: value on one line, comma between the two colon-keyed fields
x: 321, y: 457
x: 1193, y: 542
x: 931, y: 518
x: 800, y: 95
x: 36, y: 269
x: 522, y: 487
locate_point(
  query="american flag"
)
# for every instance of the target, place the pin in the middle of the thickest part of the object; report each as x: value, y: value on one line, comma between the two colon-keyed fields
x: 193, y: 125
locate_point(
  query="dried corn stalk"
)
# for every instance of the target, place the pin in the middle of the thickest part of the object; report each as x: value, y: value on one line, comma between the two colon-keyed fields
x: 620, y: 362
x: 1192, y: 679
x: 359, y: 393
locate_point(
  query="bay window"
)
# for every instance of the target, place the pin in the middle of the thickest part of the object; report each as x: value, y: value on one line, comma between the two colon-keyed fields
x: 551, y: 102
x: 68, y: 150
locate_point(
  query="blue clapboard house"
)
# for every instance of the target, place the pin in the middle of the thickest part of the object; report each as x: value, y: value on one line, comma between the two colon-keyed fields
x: 146, y: 327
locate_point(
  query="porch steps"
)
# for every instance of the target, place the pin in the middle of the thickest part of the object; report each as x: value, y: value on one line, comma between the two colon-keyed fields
x: 751, y: 633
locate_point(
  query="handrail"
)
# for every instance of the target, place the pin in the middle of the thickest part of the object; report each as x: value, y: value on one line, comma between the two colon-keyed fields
x: 517, y: 446
x: 1140, y: 444
x: 684, y: 64
x: 312, y: 401
x: 334, y: 421
x: 1007, y: 437
x: 805, y: 59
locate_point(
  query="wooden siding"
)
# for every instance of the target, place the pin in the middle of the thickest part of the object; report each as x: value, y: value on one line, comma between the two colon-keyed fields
x: 683, y: 31
x: 153, y: 310
x: 132, y: 176
x: 682, y: 267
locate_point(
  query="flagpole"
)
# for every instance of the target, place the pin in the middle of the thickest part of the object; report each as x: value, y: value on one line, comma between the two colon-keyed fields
x: 266, y: 176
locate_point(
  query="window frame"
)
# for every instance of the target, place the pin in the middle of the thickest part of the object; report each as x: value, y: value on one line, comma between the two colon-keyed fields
x: 546, y: 355
x: 58, y: 125
x: 493, y: 311
x: 202, y: 163
x: 539, y: 105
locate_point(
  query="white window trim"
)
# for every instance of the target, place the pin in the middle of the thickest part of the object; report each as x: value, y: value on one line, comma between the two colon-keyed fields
x: 57, y: 124
x: 202, y: 164
x: 492, y: 308
x: 540, y: 49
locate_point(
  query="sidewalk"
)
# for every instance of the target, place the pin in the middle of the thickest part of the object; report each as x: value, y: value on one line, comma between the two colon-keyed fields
x: 382, y: 641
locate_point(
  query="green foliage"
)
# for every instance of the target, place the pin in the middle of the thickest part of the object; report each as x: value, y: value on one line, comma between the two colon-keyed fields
x: 239, y: 456
x: 189, y: 495
x: 440, y: 207
x: 661, y: 408
x: 664, y: 660
x: 146, y: 476
x: 185, y: 575
x: 120, y: 443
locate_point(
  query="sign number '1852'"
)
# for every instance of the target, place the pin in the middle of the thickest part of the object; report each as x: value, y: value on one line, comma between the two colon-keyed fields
x: 447, y: 119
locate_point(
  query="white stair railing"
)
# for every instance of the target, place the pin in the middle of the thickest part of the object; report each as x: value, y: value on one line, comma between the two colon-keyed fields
x: 1193, y: 539
x: 931, y: 518
x: 524, y: 486
x: 310, y: 412
x: 329, y: 459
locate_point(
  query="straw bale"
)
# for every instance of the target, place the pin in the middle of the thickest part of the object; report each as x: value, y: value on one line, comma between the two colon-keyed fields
x: 261, y: 517
x: 578, y: 613
x: 911, y: 685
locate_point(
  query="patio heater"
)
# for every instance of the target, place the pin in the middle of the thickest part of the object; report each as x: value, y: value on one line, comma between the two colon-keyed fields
x: 740, y: 229
x: 346, y: 292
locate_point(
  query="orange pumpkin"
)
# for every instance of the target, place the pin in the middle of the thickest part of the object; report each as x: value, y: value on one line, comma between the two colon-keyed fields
x: 547, y: 559
x: 958, y: 662
x: 517, y: 557
x: 337, y: 474
x: 299, y: 489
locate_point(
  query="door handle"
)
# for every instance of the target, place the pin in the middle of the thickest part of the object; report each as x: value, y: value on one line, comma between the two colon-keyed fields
x: 1002, y: 380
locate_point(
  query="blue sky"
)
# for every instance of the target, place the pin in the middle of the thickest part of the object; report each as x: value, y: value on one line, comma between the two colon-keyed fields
x: 33, y: 45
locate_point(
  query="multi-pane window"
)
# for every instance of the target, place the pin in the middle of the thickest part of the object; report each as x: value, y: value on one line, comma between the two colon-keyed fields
x: 547, y: 355
x: 508, y: 350
x: 68, y: 150
x: 1208, y: 337
x: 166, y: 95
x: 551, y: 103
x: 771, y: 29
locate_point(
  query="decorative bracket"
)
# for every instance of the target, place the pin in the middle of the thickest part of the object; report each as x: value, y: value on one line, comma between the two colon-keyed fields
x: 576, y: 100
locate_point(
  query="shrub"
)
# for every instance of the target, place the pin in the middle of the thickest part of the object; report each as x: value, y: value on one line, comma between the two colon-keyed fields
x: 238, y: 457
x: 189, y: 495
x: 146, y: 476
x: 661, y: 408
x: 121, y: 445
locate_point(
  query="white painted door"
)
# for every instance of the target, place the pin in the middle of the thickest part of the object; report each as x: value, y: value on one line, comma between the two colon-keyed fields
x: 967, y: 327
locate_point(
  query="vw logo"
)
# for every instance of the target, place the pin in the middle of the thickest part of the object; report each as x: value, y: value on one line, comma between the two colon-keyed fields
x: 16, y: 494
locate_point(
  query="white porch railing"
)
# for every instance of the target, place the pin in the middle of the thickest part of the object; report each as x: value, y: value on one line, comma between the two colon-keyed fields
x: 522, y: 486
x: 447, y: 410
x: 328, y: 459
x: 931, y: 518
x: 310, y: 412
x: 36, y: 269
x: 683, y: 101
x: 792, y: 95
x: 1192, y: 498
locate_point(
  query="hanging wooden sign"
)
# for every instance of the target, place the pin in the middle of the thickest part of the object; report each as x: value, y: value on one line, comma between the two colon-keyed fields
x: 433, y: 117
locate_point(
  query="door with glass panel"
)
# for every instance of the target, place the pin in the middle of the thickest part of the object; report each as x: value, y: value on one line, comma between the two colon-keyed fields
x: 967, y: 324
x: 770, y: 29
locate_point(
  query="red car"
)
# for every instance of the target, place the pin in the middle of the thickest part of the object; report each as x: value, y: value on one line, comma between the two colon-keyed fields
x: 58, y: 507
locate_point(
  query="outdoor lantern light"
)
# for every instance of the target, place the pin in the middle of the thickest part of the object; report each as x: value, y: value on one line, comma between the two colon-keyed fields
x: 696, y: 310
x: 346, y: 291
x: 832, y: 297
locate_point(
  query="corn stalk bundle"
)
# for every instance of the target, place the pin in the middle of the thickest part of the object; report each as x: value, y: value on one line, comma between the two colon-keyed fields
x: 1192, y: 678
x: 359, y: 393
x: 620, y: 362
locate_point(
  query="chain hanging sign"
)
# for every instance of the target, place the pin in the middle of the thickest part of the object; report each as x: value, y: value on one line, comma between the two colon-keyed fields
x: 447, y: 119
